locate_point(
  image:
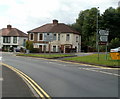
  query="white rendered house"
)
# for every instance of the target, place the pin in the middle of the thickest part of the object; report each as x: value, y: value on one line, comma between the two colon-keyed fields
x: 55, y: 37
x: 12, y: 37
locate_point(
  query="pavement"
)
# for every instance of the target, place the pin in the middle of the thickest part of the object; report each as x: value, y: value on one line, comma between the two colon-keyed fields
x: 14, y: 86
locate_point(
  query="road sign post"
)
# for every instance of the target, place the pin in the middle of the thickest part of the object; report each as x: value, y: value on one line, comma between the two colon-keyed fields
x: 97, y: 34
x: 103, y: 39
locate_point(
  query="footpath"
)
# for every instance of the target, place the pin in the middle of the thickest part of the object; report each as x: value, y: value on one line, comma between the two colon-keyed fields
x: 13, y: 86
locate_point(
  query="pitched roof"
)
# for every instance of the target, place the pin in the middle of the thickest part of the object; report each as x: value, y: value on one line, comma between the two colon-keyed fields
x: 54, y: 27
x: 9, y: 31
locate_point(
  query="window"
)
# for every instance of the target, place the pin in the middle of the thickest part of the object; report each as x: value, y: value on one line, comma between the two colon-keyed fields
x: 31, y: 36
x: 76, y: 38
x: 40, y: 36
x: 58, y: 37
x: 6, y: 39
x: 15, y: 39
x: 24, y: 42
x: 54, y: 48
x: 67, y: 37
x: 54, y: 36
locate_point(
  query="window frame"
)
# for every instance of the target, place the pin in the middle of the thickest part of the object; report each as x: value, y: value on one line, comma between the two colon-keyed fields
x: 31, y: 37
x: 67, y: 37
x: 14, y: 39
x: 54, y: 37
x: 58, y: 37
x: 77, y: 39
x: 6, y: 39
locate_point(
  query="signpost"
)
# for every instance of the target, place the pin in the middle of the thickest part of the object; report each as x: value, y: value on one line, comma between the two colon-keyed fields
x: 103, y: 39
x: 101, y: 36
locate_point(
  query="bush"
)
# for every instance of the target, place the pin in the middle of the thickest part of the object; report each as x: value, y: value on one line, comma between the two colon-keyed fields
x: 114, y: 43
x: 29, y: 45
x: 35, y: 50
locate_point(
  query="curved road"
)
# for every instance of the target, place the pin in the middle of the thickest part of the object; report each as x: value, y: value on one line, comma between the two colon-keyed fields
x: 61, y: 79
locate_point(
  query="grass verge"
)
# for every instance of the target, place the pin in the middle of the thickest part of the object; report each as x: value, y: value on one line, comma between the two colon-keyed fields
x: 93, y: 59
x: 46, y: 55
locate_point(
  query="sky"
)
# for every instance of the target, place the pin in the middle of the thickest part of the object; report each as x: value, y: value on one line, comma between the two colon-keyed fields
x: 26, y: 15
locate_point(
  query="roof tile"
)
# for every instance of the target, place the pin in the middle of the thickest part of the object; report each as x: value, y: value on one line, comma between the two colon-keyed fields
x: 54, y: 28
x: 12, y: 32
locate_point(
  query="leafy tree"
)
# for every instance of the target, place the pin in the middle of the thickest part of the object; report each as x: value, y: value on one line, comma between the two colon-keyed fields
x: 111, y: 21
x: 114, y: 43
x: 86, y: 25
x: 29, y: 45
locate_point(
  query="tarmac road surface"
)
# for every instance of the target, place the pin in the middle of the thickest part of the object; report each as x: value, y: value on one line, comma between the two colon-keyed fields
x: 61, y: 79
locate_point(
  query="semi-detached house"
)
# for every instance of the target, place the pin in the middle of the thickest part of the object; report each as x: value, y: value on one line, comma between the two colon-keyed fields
x: 55, y: 37
x: 12, y: 38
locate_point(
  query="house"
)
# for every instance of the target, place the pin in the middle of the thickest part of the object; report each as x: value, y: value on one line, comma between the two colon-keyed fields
x: 55, y: 37
x: 12, y: 38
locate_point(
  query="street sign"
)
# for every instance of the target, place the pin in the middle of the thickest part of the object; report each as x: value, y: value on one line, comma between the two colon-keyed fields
x: 104, y: 38
x: 104, y: 32
x: 102, y: 43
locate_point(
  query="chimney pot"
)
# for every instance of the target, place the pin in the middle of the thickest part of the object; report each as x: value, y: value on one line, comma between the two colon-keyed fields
x: 55, y: 22
x: 9, y: 26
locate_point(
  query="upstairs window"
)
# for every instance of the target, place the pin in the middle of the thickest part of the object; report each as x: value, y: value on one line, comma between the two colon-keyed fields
x: 6, y: 39
x: 15, y: 39
x: 31, y: 36
x: 54, y: 36
x: 40, y: 36
x: 67, y: 37
x: 58, y: 37
x: 76, y: 38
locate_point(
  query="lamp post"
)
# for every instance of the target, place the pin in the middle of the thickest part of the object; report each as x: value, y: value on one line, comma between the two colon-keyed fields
x: 97, y: 45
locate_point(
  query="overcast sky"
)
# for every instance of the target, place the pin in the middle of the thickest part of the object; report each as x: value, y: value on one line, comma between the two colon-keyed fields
x: 29, y: 14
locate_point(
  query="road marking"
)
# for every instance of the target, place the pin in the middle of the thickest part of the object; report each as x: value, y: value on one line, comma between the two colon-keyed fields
x: 98, y: 67
x: 89, y: 69
x: 90, y: 65
x: 1, y: 79
x: 32, y: 83
x: 94, y: 66
x: 0, y: 58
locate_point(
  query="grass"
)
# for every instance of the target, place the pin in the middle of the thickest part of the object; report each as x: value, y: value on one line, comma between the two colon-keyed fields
x: 93, y: 59
x: 46, y: 55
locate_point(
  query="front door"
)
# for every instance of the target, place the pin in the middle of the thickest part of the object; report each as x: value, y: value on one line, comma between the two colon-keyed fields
x: 40, y: 47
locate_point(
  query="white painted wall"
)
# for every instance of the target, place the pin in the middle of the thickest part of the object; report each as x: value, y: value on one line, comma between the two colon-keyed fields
x: 20, y: 41
x: 62, y: 41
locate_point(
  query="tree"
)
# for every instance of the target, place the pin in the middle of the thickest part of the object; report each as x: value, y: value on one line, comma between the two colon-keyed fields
x: 111, y: 21
x: 29, y: 45
x: 86, y: 25
x: 114, y: 43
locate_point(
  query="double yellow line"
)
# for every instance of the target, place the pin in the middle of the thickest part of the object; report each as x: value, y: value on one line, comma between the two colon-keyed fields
x: 31, y: 82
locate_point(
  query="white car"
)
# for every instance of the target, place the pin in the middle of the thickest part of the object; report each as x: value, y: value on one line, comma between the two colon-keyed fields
x: 115, y: 50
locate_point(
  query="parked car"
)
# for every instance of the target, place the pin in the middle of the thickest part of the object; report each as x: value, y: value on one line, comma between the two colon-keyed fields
x: 20, y: 49
x: 115, y: 50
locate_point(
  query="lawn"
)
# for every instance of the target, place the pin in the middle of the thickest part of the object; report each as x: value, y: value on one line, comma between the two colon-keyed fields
x: 93, y: 59
x: 46, y: 55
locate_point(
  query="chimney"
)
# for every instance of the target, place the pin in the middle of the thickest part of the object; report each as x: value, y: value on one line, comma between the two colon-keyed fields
x: 9, y: 27
x: 55, y: 22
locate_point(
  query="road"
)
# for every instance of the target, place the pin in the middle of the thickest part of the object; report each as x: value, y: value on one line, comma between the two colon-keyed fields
x: 61, y: 79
